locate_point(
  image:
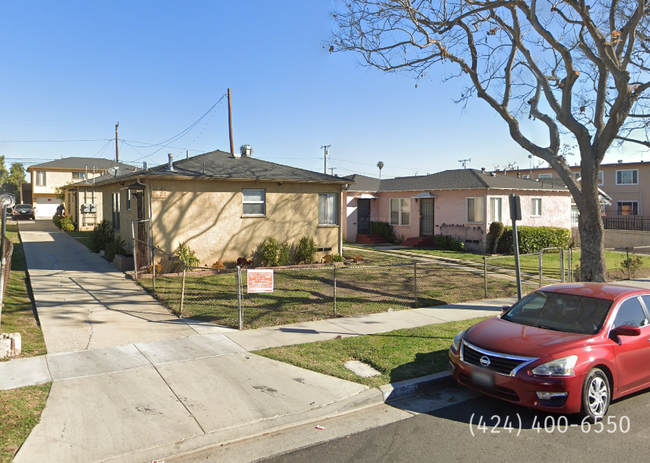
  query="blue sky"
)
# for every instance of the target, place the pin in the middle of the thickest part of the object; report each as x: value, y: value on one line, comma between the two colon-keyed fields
x: 72, y: 69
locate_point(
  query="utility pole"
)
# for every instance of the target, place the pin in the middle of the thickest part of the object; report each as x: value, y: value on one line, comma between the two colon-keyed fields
x: 232, y: 148
x: 325, y: 153
x: 117, y: 152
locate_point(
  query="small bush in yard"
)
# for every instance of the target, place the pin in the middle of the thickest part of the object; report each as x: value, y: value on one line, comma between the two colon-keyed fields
x: 243, y: 262
x: 448, y: 243
x: 101, y: 236
x: 218, y: 265
x: 533, y: 239
x: 117, y: 246
x: 267, y: 252
x: 305, y: 251
x: 383, y: 229
x: 632, y: 264
x: 187, y: 255
x: 495, y: 234
x: 284, y: 254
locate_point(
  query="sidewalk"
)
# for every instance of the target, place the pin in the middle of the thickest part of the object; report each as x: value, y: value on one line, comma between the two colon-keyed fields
x: 132, y: 383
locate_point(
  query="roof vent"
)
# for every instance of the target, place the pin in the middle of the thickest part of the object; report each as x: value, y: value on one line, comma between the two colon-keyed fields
x: 145, y: 165
x: 620, y: 161
x: 170, y: 164
x: 246, y: 151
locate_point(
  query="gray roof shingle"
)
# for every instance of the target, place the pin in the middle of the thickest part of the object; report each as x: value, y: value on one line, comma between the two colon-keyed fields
x: 460, y: 179
x: 222, y: 165
x: 77, y: 163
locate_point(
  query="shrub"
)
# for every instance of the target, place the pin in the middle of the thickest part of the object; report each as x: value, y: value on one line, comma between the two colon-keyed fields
x: 533, y: 239
x: 102, y: 234
x: 116, y: 246
x: 243, y: 262
x: 494, y: 235
x: 338, y: 258
x: 218, y: 265
x: 66, y: 224
x: 57, y: 221
x: 305, y: 251
x: 187, y: 255
x: 284, y: 254
x: 448, y: 243
x: 383, y: 229
x: 632, y: 264
x: 267, y: 252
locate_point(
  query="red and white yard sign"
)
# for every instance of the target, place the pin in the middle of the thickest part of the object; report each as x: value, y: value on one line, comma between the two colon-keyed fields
x: 260, y: 281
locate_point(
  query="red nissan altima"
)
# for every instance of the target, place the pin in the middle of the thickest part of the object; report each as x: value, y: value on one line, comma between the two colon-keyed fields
x: 566, y: 348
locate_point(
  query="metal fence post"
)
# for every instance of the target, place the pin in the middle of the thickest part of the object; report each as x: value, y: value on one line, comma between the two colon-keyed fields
x: 239, y: 299
x: 627, y: 263
x: 180, y: 314
x: 334, y: 309
x: 562, y: 265
x: 485, y: 275
x: 541, y: 252
x: 135, y: 249
x: 415, y: 282
x: 153, y: 267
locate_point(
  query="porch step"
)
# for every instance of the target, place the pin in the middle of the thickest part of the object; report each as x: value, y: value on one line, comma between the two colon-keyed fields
x: 370, y: 239
x: 419, y: 242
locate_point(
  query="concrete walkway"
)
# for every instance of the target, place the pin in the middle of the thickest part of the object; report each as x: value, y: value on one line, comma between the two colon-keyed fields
x: 133, y: 383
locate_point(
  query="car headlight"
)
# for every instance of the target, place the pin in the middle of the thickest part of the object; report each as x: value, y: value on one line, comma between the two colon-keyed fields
x: 559, y: 367
x: 456, y: 341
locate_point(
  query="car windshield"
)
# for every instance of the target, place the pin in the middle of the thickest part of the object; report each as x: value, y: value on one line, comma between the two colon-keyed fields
x: 560, y: 312
x: 22, y: 207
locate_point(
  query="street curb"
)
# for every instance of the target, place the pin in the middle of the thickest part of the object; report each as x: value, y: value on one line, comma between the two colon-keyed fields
x: 399, y: 390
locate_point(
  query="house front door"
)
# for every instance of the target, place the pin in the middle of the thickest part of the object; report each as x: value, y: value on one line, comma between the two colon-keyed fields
x: 363, y: 216
x: 426, y: 217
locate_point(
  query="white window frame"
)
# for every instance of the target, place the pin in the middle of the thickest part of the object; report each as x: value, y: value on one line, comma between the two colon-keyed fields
x: 41, y: 178
x: 535, y: 207
x: 116, y: 200
x: 330, y: 219
x: 403, y: 207
x: 245, y: 202
x: 635, y: 177
x: 601, y: 178
x: 79, y: 176
x: 618, y: 207
x: 493, y: 208
x: 545, y: 176
x: 478, y: 200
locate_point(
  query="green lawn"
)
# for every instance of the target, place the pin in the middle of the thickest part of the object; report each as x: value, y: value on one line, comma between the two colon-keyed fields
x: 397, y: 355
x: 20, y: 409
x: 308, y: 294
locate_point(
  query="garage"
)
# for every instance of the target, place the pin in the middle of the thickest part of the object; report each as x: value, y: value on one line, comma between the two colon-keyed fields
x: 46, y: 206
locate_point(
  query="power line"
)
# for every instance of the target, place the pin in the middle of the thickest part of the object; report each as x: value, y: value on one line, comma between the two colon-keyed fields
x: 53, y: 141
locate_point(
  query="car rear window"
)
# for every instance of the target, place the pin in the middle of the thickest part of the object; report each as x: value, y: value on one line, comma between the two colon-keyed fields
x: 560, y: 312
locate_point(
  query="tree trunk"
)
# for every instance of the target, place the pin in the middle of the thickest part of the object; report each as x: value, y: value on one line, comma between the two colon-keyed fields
x: 590, y: 225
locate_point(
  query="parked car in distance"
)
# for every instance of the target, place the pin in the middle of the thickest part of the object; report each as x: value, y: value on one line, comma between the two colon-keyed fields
x: 566, y: 348
x: 23, y: 211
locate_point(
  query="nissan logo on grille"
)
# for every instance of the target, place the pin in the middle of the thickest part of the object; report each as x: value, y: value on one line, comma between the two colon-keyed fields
x: 485, y: 361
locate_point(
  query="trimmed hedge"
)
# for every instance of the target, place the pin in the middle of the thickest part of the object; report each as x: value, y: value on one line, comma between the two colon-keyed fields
x: 532, y: 239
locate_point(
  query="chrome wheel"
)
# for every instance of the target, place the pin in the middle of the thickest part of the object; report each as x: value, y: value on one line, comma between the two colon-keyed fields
x: 595, y: 395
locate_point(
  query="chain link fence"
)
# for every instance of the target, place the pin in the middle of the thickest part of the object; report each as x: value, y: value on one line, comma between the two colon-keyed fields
x: 305, y: 293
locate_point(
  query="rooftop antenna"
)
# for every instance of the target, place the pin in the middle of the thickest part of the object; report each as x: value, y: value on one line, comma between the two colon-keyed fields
x: 325, y: 153
x: 332, y: 169
x: 464, y: 162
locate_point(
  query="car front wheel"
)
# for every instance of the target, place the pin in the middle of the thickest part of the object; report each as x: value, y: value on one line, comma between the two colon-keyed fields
x: 595, y: 395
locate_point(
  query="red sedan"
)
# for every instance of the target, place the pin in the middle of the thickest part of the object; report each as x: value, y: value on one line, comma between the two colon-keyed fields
x: 568, y: 348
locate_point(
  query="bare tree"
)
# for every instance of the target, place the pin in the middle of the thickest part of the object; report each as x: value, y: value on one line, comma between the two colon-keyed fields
x: 576, y: 68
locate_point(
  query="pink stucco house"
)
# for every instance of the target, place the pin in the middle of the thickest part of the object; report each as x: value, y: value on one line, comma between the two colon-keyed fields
x: 460, y: 203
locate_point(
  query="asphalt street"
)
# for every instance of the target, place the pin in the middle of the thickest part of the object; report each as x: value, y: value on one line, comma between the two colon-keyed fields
x: 486, y: 430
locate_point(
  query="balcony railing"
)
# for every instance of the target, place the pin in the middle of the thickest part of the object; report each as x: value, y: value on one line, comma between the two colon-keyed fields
x: 627, y: 222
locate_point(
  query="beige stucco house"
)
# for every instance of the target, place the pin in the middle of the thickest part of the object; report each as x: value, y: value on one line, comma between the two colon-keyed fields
x: 222, y: 205
x: 48, y: 176
x: 460, y: 203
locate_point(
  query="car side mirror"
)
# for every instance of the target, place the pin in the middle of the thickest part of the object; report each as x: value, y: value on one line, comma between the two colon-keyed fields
x: 626, y: 330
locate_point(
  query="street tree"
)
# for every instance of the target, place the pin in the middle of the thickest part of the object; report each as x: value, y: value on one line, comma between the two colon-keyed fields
x: 15, y: 179
x: 577, y: 69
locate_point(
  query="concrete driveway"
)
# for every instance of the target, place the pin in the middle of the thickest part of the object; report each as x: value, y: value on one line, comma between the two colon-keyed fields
x: 83, y: 301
